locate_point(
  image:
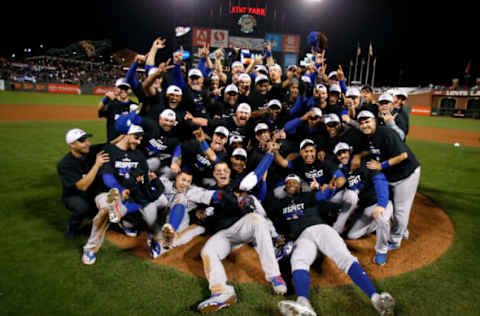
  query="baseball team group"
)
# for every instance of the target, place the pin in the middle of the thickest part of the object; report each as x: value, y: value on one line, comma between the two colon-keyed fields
x: 289, y: 161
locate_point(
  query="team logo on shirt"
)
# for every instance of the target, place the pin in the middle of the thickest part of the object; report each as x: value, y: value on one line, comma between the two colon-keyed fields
x: 125, y: 166
x: 202, y: 163
x: 293, y: 211
x: 155, y: 146
x: 353, y: 180
x: 314, y: 173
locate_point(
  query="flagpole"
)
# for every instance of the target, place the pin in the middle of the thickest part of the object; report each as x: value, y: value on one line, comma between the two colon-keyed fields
x: 370, y: 52
x: 356, y: 63
x: 350, y: 72
x: 373, y: 71
x: 361, y: 70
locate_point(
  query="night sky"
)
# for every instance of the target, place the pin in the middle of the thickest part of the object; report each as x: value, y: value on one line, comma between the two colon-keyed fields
x: 415, y: 45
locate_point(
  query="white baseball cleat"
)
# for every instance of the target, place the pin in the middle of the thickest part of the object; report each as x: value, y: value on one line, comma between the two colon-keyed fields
x: 217, y: 302
x: 300, y: 307
x: 383, y: 303
x: 89, y: 257
x: 168, y: 234
x: 113, y: 200
x: 279, y: 285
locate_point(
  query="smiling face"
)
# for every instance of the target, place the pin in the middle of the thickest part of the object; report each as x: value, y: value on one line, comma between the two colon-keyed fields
x: 343, y: 156
x: 81, y: 146
x: 294, y: 91
x: 183, y: 182
x: 262, y: 87
x: 385, y: 106
x: 173, y: 100
x: 221, y: 173
x: 308, y: 154
x: 368, y: 125
x: 231, y: 97
x: 166, y: 124
x: 242, y: 117
x: 239, y: 163
x: 218, y: 142
x: 263, y: 136
x: 133, y: 141
x: 333, y: 97
x: 292, y: 187
x: 333, y: 129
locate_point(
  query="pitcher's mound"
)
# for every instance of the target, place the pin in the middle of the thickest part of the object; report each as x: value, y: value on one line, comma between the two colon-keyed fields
x: 431, y: 234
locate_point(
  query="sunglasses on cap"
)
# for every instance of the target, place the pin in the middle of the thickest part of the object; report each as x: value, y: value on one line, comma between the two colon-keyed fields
x: 332, y: 124
x: 82, y: 139
x: 232, y: 93
x: 384, y: 102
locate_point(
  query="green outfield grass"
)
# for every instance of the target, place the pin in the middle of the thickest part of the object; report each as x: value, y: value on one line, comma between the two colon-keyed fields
x: 41, y: 272
x: 17, y: 97
x: 463, y: 124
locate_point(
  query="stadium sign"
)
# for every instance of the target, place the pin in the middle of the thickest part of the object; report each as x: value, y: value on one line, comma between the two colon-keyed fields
x: 248, y: 10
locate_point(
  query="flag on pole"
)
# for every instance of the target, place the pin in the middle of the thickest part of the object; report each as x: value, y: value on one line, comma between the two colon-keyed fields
x: 370, y: 50
x: 374, y: 61
x: 359, y: 50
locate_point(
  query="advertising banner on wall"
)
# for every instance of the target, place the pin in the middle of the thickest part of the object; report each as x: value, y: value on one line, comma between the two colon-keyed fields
x: 247, y: 43
x: 218, y: 38
x: 291, y: 43
x: 201, y: 37
x: 275, y: 40
x: 101, y: 90
x: 64, y: 88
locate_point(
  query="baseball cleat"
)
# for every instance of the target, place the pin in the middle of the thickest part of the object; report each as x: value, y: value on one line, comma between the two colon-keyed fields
x: 113, y: 199
x: 168, y: 233
x: 392, y: 246
x: 380, y: 259
x: 279, y: 285
x: 284, y: 251
x: 301, y: 307
x: 383, y: 303
x: 154, y: 247
x: 217, y: 302
x: 89, y: 257
x: 129, y: 231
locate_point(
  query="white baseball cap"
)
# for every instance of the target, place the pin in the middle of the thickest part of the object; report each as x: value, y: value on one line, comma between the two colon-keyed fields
x: 135, y: 129
x: 341, y: 146
x: 235, y: 138
x: 244, y: 107
x: 365, y: 114
x: 332, y: 74
x: 261, y: 68
x: 122, y: 82
x: 244, y: 77
x: 260, y: 78
x: 239, y: 152
x: 332, y: 117
x: 276, y: 66
x: 274, y: 102
x: 317, y: 111
x: 75, y: 134
x: 222, y: 130
x: 321, y: 87
x: 261, y: 127
x: 352, y: 92
x: 168, y: 114
x: 195, y: 72
x: 306, y: 79
x: 292, y: 177
x: 334, y: 88
x: 385, y: 97
x: 152, y: 71
x: 237, y: 63
x: 172, y: 89
x: 231, y: 88
x: 403, y: 93
x: 214, y: 76
x: 306, y: 142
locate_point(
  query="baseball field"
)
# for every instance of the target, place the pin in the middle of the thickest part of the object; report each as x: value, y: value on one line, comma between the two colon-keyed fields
x: 41, y: 272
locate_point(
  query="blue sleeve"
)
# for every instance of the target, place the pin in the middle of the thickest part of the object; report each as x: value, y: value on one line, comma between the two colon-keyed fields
x: 343, y: 86
x: 339, y: 174
x: 111, y: 182
x: 298, y: 109
x: 177, y: 152
x: 290, y: 165
x: 132, y: 75
x: 291, y: 126
x: 344, y: 112
x: 313, y: 77
x: 323, y: 196
x: 381, y: 188
x: 177, y: 77
x: 148, y: 67
x: 263, y: 165
x: 262, y: 191
x: 201, y: 66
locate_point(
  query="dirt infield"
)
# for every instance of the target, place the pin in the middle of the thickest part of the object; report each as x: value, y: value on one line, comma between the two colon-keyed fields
x: 431, y: 234
x: 81, y: 113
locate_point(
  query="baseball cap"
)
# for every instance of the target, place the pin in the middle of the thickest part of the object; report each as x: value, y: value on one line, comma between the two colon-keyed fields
x: 385, y: 97
x: 260, y: 78
x: 261, y: 127
x: 332, y: 74
x: 334, y: 88
x: 75, y: 134
x: 276, y: 66
x: 172, y: 89
x: 237, y: 63
x: 321, y: 87
x: 168, y: 114
x: 135, y: 130
x: 261, y: 68
x: 403, y: 93
x: 244, y: 107
x: 352, y: 92
x: 332, y: 117
x: 306, y: 142
x: 122, y: 82
x: 239, y: 152
x: 341, y: 146
x: 365, y: 114
x: 231, y: 88
x: 244, y: 77
x: 292, y: 177
x: 317, y: 111
x: 306, y: 79
x: 273, y: 103
x: 195, y: 72
x: 152, y: 71
x: 222, y: 130
x: 235, y: 138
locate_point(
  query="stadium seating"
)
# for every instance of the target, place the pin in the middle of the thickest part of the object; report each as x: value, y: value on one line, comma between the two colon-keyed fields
x: 447, y: 106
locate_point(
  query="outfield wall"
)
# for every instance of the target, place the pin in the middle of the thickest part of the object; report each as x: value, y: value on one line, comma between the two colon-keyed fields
x: 61, y: 88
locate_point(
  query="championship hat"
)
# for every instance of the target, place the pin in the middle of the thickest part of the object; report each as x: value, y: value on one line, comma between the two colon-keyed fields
x: 260, y: 78
x: 261, y: 127
x: 244, y: 77
x: 231, y: 88
x: 274, y: 103
x: 239, y: 152
x: 306, y: 142
x: 194, y: 72
x: 332, y: 117
x: 168, y: 114
x: 352, y: 92
x: 292, y: 177
x: 386, y: 97
x: 135, y: 130
x: 244, y: 107
x: 321, y: 87
x: 122, y: 82
x: 341, y: 146
x: 334, y: 88
x: 222, y: 130
x: 235, y: 138
x: 172, y: 89
x: 365, y: 114
x: 76, y: 134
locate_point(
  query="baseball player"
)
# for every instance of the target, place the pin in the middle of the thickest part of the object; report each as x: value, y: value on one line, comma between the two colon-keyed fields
x: 230, y: 227
x: 303, y: 105
x: 392, y: 157
x: 371, y: 187
x: 387, y: 116
x: 78, y: 173
x: 297, y: 216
